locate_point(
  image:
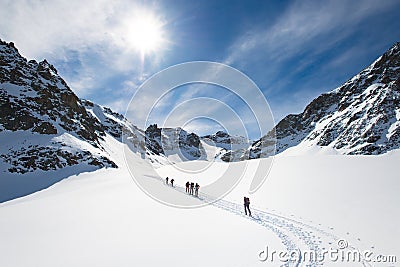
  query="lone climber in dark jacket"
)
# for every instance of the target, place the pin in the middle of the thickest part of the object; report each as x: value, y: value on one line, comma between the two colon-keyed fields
x: 187, y: 186
x: 247, y: 205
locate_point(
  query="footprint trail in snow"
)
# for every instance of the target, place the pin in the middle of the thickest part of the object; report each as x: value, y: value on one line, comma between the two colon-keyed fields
x: 307, y: 242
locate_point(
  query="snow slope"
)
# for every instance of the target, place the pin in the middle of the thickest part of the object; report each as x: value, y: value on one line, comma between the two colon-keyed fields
x: 228, y: 148
x: 17, y: 146
x: 328, y: 188
x: 103, y: 219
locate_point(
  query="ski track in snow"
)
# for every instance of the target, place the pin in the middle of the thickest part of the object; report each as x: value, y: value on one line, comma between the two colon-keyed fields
x: 294, y: 234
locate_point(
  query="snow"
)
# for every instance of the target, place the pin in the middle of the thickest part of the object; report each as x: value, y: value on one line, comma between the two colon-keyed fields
x: 74, y: 143
x: 102, y: 218
x: 16, y: 90
x: 395, y: 124
x: 14, y: 185
x: 327, y: 188
x: 305, y: 148
x: 211, y: 151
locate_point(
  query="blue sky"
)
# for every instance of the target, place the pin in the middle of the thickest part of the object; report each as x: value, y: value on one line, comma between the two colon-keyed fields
x: 293, y: 50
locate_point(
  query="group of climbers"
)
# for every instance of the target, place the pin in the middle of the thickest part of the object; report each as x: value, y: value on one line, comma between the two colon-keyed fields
x: 172, y: 181
x: 193, y: 189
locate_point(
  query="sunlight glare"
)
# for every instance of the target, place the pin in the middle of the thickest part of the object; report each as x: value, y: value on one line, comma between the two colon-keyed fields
x: 145, y: 33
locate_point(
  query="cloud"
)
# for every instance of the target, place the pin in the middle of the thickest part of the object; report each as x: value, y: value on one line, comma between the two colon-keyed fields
x: 300, y: 54
x: 93, y: 39
x: 50, y: 26
x: 302, y: 28
x: 43, y: 27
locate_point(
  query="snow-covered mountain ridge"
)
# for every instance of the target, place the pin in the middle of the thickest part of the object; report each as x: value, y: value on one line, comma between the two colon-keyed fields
x: 232, y: 148
x: 47, y: 131
x: 36, y: 101
x: 360, y: 117
x: 168, y: 141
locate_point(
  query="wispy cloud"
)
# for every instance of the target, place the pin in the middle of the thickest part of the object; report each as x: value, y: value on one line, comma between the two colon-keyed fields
x: 301, y: 26
x: 280, y: 53
x: 92, y: 38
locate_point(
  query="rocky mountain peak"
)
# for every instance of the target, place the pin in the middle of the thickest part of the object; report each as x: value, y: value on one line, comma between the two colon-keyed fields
x: 360, y: 117
x: 35, y: 97
x: 233, y: 148
x: 36, y: 101
x: 168, y: 141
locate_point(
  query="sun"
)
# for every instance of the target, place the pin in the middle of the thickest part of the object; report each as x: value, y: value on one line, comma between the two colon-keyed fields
x: 145, y: 33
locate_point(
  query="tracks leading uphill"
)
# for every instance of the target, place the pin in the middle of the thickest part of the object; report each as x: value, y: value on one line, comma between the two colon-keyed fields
x: 305, y: 241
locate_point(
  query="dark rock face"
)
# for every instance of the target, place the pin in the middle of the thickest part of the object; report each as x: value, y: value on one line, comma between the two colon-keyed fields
x: 360, y: 117
x: 167, y: 141
x: 45, y: 128
x: 33, y: 96
x: 189, y: 144
x: 190, y: 140
x: 47, y: 158
x: 220, y: 138
x: 153, y: 139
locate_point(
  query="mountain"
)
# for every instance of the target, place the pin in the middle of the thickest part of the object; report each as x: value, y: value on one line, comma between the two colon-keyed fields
x: 117, y: 126
x: 47, y: 133
x: 177, y: 145
x: 360, y: 117
x: 175, y: 142
x: 231, y: 148
x: 40, y: 110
